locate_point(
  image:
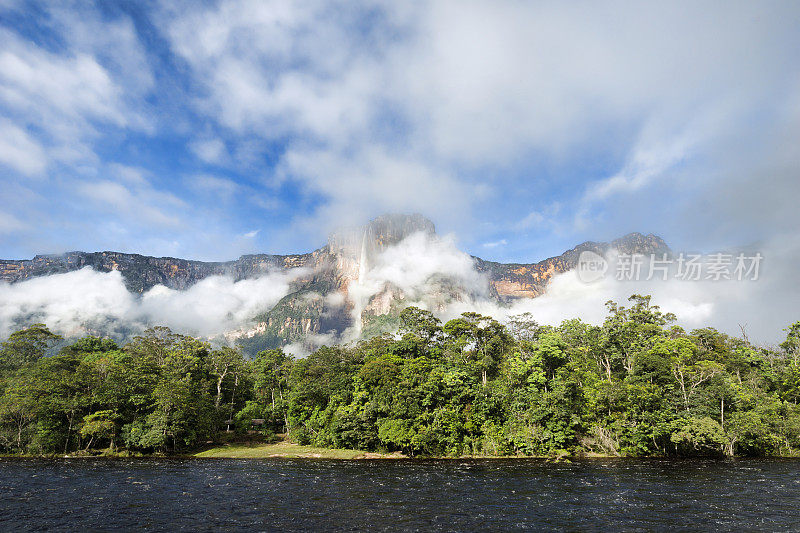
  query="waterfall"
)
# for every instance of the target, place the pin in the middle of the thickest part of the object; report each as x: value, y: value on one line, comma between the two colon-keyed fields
x: 358, y: 301
x: 362, y: 261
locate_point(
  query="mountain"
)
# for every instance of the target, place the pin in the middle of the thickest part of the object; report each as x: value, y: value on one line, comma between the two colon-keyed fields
x: 335, y: 290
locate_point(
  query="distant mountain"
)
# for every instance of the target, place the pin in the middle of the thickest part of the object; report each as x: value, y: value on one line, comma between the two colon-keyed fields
x: 323, y: 299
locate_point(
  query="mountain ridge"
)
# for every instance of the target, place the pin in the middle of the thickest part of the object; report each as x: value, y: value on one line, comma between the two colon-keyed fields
x: 178, y: 273
x: 327, y: 295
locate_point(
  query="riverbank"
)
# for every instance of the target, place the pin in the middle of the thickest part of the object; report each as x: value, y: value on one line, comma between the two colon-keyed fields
x: 290, y: 450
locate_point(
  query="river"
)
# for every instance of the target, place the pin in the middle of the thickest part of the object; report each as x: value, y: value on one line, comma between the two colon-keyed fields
x: 412, y: 495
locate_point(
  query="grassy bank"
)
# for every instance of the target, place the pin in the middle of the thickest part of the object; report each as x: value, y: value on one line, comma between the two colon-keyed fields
x: 288, y: 450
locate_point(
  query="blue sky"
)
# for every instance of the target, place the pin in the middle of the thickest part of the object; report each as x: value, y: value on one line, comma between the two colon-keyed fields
x: 211, y: 130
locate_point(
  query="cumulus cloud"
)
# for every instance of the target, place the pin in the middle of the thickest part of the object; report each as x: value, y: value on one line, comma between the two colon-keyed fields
x: 605, y: 102
x: 65, y: 98
x: 215, y: 304
x: 85, y: 300
x: 495, y: 110
x: 376, y: 181
x: 67, y: 302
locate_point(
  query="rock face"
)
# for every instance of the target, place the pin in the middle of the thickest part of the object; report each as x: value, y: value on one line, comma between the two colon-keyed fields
x: 324, y: 300
x: 141, y: 272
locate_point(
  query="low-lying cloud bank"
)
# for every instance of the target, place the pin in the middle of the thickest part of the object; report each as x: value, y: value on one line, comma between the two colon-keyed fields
x: 89, y: 301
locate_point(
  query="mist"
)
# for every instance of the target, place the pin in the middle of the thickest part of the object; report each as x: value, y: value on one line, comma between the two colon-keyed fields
x: 87, y: 301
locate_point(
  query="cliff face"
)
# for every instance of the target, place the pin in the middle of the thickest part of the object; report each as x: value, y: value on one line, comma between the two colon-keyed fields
x: 325, y: 296
x: 141, y: 272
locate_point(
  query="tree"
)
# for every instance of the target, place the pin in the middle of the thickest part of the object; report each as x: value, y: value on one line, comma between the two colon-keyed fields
x: 699, y: 436
x: 19, y: 407
x: 524, y: 327
x: 791, y: 346
x: 271, y: 371
x: 26, y: 346
x: 416, y: 321
x: 629, y: 331
x: 100, y: 425
x: 479, y: 339
x: 687, y: 370
x: 224, y: 361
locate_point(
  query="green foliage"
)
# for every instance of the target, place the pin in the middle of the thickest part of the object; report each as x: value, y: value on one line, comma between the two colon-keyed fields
x: 699, y: 436
x: 633, y: 386
x: 25, y: 347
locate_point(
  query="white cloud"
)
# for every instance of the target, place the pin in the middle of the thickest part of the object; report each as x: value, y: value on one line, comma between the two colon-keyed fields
x: 67, y: 302
x: 453, y: 96
x: 412, y: 263
x: 136, y: 205
x: 19, y: 151
x: 216, y: 304
x: 495, y: 244
x: 67, y: 96
x: 278, y: 67
x: 75, y: 302
x: 214, y: 185
x: 9, y: 223
x: 373, y: 180
x: 43, y: 85
x: 427, y: 270
x: 210, y: 150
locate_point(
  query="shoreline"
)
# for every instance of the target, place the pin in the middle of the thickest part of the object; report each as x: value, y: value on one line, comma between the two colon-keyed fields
x: 290, y: 450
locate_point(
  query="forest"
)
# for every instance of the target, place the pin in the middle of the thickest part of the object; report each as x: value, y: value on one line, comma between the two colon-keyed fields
x: 637, y: 385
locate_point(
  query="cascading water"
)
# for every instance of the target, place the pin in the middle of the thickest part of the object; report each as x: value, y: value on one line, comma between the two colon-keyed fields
x: 362, y: 261
x: 358, y: 301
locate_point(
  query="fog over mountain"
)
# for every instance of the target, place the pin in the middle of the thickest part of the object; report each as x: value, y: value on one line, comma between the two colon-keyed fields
x: 356, y: 285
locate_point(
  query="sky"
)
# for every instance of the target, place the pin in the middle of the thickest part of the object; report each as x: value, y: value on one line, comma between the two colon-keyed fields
x: 210, y: 130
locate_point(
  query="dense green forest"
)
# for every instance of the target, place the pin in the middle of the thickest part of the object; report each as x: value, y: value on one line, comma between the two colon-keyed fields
x: 635, y: 386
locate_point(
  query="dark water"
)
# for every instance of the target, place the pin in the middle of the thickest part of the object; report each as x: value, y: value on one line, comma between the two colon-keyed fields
x: 308, y: 495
